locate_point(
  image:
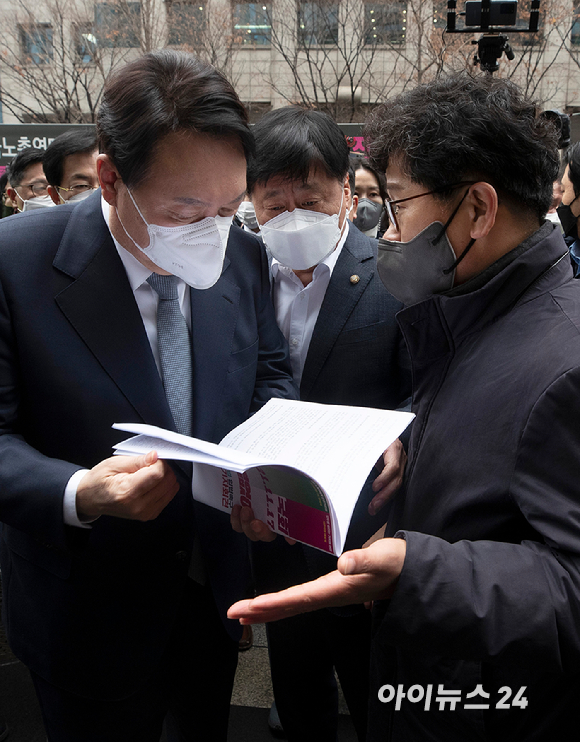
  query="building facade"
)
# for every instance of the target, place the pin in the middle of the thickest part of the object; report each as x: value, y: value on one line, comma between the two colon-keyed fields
x: 342, y: 56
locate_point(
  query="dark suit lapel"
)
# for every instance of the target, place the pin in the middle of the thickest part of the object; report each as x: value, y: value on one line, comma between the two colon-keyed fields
x: 99, y: 304
x: 213, y: 320
x: 342, y: 295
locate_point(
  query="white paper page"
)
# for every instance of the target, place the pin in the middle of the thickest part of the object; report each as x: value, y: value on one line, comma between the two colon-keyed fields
x: 142, y: 444
x: 169, y: 444
x: 339, y: 452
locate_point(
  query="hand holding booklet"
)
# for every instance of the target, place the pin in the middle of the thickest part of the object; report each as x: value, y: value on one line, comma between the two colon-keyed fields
x: 299, y: 465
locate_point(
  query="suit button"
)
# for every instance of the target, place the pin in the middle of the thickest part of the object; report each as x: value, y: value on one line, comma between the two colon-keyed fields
x: 354, y: 279
x: 181, y: 556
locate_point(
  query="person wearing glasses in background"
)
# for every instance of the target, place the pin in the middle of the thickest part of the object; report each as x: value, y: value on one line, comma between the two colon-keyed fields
x: 70, y: 165
x: 27, y: 184
x: 6, y: 206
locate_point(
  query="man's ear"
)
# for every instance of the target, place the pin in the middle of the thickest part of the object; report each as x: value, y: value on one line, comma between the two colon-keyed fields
x: 347, y: 191
x: 53, y: 193
x: 11, y: 194
x: 483, y: 203
x: 345, y: 200
x: 354, y: 207
x: 109, y: 178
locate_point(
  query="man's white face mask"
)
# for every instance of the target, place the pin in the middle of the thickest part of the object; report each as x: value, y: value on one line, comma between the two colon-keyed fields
x: 193, y: 252
x: 79, y: 196
x: 39, y: 202
x: 301, y: 239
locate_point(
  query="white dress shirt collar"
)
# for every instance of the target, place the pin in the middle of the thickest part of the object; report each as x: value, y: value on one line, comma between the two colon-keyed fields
x: 137, y: 273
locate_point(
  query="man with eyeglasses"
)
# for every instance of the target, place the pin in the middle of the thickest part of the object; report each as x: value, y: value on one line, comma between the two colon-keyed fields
x: 70, y: 165
x: 26, y: 180
x: 476, y: 586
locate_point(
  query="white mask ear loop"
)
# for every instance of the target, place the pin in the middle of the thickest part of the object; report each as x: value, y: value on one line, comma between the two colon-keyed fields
x: 135, y: 205
x: 345, y: 213
x: 140, y: 214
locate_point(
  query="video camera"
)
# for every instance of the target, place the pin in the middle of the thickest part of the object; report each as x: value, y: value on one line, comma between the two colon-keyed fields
x: 492, y: 18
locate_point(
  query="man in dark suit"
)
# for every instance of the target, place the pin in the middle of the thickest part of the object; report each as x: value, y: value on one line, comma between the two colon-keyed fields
x: 115, y: 581
x: 345, y: 348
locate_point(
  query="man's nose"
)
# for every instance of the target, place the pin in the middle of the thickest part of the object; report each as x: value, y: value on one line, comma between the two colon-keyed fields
x: 392, y: 232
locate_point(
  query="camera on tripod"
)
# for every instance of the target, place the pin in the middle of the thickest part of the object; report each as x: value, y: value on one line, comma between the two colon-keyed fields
x: 492, y: 18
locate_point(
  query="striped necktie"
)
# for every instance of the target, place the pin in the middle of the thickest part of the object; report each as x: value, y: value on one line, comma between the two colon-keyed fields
x: 174, y: 345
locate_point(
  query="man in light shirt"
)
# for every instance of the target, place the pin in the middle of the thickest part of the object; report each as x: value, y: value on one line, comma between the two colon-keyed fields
x: 345, y: 348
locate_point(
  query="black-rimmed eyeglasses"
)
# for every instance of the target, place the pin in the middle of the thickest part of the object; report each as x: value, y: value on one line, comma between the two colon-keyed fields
x: 393, y: 206
x: 38, y: 188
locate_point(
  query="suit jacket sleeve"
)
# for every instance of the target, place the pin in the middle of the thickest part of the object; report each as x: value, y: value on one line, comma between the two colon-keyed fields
x: 33, y: 484
x: 481, y: 599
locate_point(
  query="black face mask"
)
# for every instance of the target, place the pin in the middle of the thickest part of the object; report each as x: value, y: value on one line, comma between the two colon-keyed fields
x: 568, y: 221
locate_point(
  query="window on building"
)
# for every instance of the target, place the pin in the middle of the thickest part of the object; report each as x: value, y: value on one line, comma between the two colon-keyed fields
x: 317, y: 23
x: 252, y: 23
x: 439, y: 15
x: 118, y: 24
x: 85, y: 43
x: 575, y: 34
x: 186, y: 23
x: 36, y: 43
x: 385, y: 23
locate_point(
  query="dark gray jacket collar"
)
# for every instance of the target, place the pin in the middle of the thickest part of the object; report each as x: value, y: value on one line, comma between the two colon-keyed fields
x: 537, y: 265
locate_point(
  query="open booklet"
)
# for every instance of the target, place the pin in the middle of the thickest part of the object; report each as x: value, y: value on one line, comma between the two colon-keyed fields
x: 299, y: 465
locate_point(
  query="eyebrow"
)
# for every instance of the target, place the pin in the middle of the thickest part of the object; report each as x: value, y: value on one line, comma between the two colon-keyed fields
x: 274, y: 192
x: 198, y: 201
x: 80, y: 176
x: 394, y: 186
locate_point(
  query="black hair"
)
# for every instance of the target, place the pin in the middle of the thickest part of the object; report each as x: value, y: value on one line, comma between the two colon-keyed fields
x: 18, y: 165
x: 290, y: 140
x: 163, y: 92
x: 359, y: 163
x: 3, y: 182
x: 70, y: 142
x: 462, y: 127
x: 572, y: 159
